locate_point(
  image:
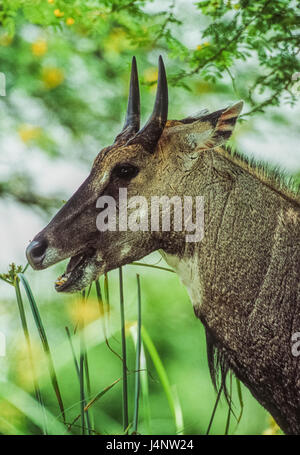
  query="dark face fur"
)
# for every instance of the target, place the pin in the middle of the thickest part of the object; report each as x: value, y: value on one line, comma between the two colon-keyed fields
x: 147, y: 162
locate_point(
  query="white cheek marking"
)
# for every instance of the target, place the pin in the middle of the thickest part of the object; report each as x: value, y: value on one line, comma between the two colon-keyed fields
x: 124, y: 251
x: 51, y: 256
x: 89, y: 274
x: 104, y: 177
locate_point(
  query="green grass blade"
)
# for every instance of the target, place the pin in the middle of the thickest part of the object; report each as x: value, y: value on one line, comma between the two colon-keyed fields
x: 239, y: 391
x: 45, y: 344
x: 143, y: 380
x: 82, y: 359
x: 86, y: 366
x: 103, y: 318
x: 77, y: 368
x: 178, y: 411
x: 103, y: 392
x: 241, y: 401
x: 165, y: 269
x: 162, y: 376
x: 82, y: 398
x: 28, y: 343
x: 214, y: 410
x: 229, y: 407
x: 106, y: 294
x: 137, y: 359
x: 73, y: 351
x: 145, y: 390
x: 90, y: 417
x: 25, y: 268
x: 124, y: 362
x: 28, y: 406
x: 96, y: 398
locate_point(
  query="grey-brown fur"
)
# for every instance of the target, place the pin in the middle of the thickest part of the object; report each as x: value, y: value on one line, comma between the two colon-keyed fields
x: 248, y: 273
x: 243, y: 277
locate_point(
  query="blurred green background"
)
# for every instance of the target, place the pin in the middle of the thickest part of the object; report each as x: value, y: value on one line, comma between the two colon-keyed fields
x: 66, y: 66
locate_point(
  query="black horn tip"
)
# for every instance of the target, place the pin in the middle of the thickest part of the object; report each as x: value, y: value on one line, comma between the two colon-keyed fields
x: 132, y: 120
x: 161, y: 61
x: 162, y: 89
x: 133, y: 67
x: 151, y: 132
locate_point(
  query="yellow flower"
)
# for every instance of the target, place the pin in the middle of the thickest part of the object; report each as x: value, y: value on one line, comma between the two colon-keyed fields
x: 150, y: 74
x: 58, y: 13
x: 88, y: 312
x: 117, y: 41
x: 52, y: 77
x: 39, y: 47
x: 70, y: 21
x: 29, y: 132
x: 200, y: 46
x: 237, y: 6
x: 50, y: 1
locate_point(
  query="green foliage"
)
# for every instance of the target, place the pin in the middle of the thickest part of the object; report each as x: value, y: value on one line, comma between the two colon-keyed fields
x: 70, y: 60
x: 163, y: 409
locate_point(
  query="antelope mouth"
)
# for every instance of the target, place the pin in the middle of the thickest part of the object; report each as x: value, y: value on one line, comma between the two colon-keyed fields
x: 80, y: 272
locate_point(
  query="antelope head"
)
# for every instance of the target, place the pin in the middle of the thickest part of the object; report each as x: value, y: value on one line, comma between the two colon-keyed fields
x: 154, y: 161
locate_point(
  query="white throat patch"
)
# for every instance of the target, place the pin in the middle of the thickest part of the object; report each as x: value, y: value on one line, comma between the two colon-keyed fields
x: 188, y: 271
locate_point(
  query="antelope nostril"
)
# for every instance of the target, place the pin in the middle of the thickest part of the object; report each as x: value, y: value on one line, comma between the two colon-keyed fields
x: 35, y: 252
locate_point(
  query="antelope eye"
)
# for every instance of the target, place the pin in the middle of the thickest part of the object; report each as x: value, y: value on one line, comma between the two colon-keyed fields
x: 125, y: 171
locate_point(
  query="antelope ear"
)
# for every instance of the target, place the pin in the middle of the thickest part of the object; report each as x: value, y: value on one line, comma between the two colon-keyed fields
x: 224, y: 125
x: 208, y: 131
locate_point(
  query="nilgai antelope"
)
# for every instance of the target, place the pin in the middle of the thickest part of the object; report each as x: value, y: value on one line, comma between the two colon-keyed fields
x: 242, y: 277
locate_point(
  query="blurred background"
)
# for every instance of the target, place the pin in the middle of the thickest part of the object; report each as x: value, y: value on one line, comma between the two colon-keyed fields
x: 66, y: 68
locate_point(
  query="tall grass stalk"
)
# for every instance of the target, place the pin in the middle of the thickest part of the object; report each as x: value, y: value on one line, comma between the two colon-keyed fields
x: 90, y: 416
x: 107, y: 301
x: 103, y: 315
x: 240, y: 396
x: 178, y: 411
x: 163, y: 378
x: 124, y: 362
x: 96, y: 398
x: 165, y: 269
x: 229, y: 407
x: 77, y: 368
x: 73, y: 351
x: 37, y: 391
x: 143, y: 374
x: 214, y: 410
x: 82, y: 368
x: 44, y: 340
x: 138, y: 358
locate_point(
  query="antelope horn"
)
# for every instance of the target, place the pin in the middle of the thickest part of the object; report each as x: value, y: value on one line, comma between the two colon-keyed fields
x: 132, y: 120
x: 149, y: 135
